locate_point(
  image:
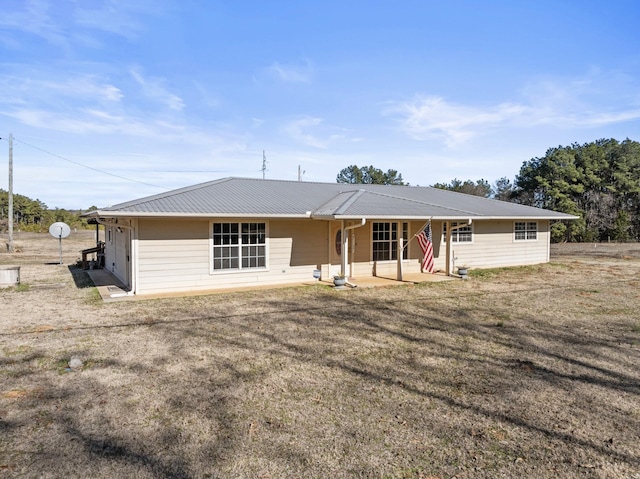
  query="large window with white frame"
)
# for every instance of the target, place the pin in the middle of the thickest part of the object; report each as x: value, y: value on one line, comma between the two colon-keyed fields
x: 384, y: 240
x: 238, y: 246
x: 525, y: 230
x: 462, y: 234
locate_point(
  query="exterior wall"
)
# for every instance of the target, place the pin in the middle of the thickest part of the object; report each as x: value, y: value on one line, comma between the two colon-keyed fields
x: 494, y: 246
x: 176, y: 255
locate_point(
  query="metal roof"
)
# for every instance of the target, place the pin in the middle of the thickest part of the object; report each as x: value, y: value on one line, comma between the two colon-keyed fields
x: 246, y: 197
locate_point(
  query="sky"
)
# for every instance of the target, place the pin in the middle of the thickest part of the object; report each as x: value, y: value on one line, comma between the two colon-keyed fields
x: 114, y: 100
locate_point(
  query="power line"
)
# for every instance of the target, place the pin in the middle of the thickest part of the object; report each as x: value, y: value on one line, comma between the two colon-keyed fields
x: 89, y: 167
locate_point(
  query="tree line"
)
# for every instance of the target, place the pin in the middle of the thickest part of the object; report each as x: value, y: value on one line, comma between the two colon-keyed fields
x: 597, y: 181
x: 34, y: 215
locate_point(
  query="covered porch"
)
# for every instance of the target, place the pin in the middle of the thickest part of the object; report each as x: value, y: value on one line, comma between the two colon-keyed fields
x: 111, y: 289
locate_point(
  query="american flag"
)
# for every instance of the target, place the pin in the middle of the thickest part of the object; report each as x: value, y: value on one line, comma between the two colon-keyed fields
x: 425, y: 239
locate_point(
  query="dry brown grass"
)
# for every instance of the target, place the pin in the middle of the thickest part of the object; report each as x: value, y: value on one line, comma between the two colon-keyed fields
x: 522, y: 372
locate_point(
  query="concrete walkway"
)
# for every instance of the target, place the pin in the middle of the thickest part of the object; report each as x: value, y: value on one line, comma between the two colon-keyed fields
x: 111, y: 289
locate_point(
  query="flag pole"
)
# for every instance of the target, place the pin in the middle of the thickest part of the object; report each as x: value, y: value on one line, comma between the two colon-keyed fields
x: 425, y: 239
x: 419, y: 231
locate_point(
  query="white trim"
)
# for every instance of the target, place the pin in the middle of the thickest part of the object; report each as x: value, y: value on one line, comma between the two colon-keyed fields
x: 455, y: 230
x: 399, y: 232
x: 307, y: 215
x: 526, y: 231
x: 240, y: 269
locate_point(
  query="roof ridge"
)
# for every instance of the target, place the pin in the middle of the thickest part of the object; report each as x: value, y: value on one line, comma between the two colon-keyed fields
x: 418, y: 201
x: 355, y: 194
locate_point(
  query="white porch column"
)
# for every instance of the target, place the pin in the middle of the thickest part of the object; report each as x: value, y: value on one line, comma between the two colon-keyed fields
x: 400, y: 251
x: 448, y: 240
x: 344, y: 258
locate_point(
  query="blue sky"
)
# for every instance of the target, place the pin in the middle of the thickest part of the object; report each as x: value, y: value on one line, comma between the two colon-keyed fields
x: 159, y: 94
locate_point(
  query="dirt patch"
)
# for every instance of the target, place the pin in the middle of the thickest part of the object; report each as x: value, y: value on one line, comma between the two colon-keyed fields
x: 519, y: 372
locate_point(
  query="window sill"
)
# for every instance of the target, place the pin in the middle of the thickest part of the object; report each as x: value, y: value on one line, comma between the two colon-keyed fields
x: 216, y: 272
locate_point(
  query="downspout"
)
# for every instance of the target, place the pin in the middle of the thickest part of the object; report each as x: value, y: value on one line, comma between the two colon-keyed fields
x: 448, y: 240
x: 133, y: 251
x: 345, y: 247
x: 329, y: 249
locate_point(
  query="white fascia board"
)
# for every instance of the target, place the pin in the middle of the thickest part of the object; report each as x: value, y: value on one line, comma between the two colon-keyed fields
x: 522, y: 218
x: 443, y: 218
x: 133, y: 214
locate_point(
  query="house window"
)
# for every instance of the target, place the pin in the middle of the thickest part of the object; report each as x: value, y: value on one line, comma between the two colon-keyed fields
x: 526, y: 230
x: 385, y: 240
x: 463, y: 234
x: 239, y: 246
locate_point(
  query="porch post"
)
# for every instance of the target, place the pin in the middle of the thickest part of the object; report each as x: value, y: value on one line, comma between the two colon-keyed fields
x: 345, y: 251
x: 353, y: 253
x: 448, y: 240
x: 400, y: 251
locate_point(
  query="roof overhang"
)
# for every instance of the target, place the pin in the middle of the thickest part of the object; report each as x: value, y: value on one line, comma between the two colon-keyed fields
x: 92, y: 215
x: 134, y: 214
x: 442, y: 218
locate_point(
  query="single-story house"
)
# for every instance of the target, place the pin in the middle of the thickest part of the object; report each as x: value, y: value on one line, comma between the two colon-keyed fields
x: 239, y: 232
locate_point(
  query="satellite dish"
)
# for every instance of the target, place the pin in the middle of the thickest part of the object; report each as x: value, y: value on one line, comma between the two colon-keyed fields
x: 59, y: 230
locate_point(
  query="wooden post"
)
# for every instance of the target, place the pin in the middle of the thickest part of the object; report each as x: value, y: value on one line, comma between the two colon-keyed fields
x: 345, y: 251
x: 10, y: 214
x: 400, y: 251
x: 448, y: 240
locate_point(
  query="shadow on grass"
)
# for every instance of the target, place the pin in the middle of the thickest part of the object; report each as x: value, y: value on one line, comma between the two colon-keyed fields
x: 103, y: 447
x: 80, y: 277
x: 409, y: 348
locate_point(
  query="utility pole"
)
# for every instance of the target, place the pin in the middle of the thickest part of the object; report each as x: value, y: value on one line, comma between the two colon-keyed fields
x: 10, y: 214
x: 264, y: 164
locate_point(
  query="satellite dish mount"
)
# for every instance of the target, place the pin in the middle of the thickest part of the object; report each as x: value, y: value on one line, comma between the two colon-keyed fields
x: 59, y: 230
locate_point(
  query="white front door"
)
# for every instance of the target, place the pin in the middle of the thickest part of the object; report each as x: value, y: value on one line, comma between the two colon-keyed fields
x: 122, y: 241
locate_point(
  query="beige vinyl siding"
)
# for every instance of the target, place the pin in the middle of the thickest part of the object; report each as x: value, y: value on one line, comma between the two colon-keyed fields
x: 176, y: 255
x: 494, y: 246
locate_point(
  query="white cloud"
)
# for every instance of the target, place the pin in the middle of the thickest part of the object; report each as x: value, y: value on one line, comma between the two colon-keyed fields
x: 291, y: 73
x: 40, y: 90
x: 153, y: 88
x: 67, y: 24
x: 433, y: 117
x: 592, y: 101
x: 36, y: 20
x: 207, y: 98
x: 122, y: 18
x: 298, y: 130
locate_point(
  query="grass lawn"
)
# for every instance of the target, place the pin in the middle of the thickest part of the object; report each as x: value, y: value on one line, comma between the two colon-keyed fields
x: 519, y: 372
